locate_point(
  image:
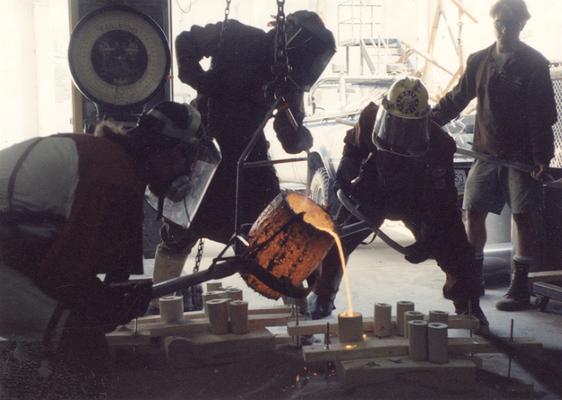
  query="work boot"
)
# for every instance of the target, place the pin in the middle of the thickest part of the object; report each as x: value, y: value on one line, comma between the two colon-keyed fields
x: 319, y: 306
x: 518, y: 296
x: 462, y: 308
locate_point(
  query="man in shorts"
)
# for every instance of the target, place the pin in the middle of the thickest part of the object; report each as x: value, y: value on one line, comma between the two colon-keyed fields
x: 514, y: 119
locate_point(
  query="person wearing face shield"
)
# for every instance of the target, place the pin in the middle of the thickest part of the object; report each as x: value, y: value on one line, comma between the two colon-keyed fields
x: 71, y: 207
x: 398, y: 165
x: 233, y: 98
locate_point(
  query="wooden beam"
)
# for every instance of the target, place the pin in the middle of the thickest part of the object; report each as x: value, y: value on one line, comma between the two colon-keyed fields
x: 432, y: 35
x: 320, y: 327
x: 462, y: 8
x: 454, y: 79
x: 451, y: 34
x: 282, y: 309
x: 209, y: 349
x: 397, y: 346
x: 201, y: 325
x: 428, y: 58
x: 545, y: 276
x: 372, y: 371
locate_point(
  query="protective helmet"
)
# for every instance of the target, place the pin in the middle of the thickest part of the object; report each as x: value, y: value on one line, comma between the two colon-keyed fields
x: 175, y: 124
x: 167, y: 123
x: 310, y: 47
x: 402, y: 124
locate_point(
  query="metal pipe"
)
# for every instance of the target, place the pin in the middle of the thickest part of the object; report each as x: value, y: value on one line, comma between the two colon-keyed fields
x: 244, y: 156
x: 354, y: 210
x: 214, y: 272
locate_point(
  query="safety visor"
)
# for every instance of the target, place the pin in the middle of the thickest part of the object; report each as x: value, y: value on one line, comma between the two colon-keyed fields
x: 191, y: 187
x: 401, y: 136
x: 309, y: 52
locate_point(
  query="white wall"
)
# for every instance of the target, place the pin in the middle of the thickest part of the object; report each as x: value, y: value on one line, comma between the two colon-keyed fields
x: 34, y: 77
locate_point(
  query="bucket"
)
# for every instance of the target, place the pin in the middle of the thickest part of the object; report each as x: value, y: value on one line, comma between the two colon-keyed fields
x: 552, y: 223
x: 289, y: 239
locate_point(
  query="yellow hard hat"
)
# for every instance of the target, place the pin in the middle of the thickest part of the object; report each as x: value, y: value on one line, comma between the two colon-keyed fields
x: 407, y: 98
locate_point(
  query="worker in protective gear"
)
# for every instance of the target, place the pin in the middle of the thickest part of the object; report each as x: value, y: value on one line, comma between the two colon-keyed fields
x: 398, y: 165
x: 71, y: 207
x: 234, y: 94
x: 515, y: 113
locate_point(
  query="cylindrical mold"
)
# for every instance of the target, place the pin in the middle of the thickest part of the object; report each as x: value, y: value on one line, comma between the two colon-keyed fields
x: 411, y: 316
x: 171, y: 308
x: 215, y: 294
x: 382, y: 325
x: 437, y: 342
x: 401, y: 308
x: 211, y: 286
x: 234, y: 293
x: 350, y: 327
x: 438, y: 316
x: 218, y: 315
x: 417, y: 343
x: 238, y: 312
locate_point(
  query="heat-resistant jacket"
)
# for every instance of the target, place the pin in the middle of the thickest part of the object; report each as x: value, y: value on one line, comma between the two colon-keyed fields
x: 435, y: 203
x: 516, y: 108
x: 234, y: 87
x: 429, y: 209
x: 91, y: 189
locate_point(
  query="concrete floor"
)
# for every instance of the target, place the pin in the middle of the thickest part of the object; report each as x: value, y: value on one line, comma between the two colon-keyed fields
x: 377, y: 274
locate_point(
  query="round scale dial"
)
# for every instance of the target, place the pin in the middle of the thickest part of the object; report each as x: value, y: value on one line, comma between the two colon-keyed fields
x: 118, y: 56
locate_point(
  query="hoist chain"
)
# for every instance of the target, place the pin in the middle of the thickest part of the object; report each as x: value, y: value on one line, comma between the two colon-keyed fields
x: 280, y: 66
x: 223, y: 28
x: 227, y: 10
x: 199, y: 255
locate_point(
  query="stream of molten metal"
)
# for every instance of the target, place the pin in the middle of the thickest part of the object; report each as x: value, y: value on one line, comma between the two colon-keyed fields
x: 320, y: 220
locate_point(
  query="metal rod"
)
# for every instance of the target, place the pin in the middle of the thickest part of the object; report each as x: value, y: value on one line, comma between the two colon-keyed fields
x: 173, y: 285
x: 265, y: 163
x: 299, y: 344
x: 470, y: 315
x: 243, y: 158
x: 510, y: 356
x: 353, y: 208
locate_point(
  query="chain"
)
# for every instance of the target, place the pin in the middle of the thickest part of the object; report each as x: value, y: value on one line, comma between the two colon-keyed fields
x: 227, y: 10
x: 281, y: 60
x: 226, y: 15
x: 221, y: 34
x: 199, y: 255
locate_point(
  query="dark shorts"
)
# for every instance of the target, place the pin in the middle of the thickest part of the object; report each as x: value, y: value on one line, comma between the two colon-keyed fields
x: 490, y: 186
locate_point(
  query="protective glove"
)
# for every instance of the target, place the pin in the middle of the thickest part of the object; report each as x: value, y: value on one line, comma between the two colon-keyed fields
x: 348, y: 169
x: 343, y: 185
x: 417, y: 252
x: 130, y: 300
x: 301, y: 140
x: 106, y: 306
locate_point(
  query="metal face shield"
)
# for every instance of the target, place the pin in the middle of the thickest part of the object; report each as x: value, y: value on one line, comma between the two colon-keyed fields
x: 401, y: 136
x: 309, y: 50
x: 184, y: 196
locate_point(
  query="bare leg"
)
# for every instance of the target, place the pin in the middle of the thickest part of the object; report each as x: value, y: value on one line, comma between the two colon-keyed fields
x: 475, y: 223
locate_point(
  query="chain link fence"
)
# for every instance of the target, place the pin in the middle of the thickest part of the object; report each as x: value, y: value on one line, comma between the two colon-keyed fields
x: 556, y: 75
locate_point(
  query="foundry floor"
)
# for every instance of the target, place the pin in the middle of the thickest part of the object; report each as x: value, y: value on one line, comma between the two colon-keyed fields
x: 377, y: 274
